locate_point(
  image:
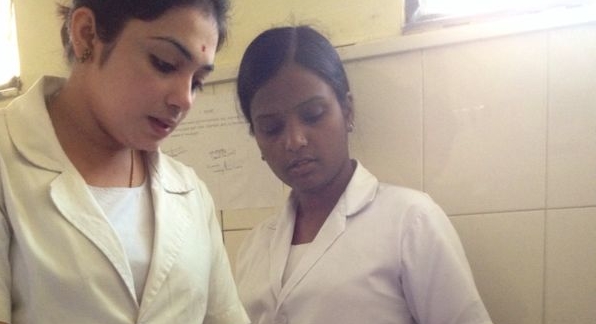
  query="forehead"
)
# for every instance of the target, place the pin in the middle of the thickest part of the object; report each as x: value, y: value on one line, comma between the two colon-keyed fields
x: 191, y: 27
x: 292, y: 86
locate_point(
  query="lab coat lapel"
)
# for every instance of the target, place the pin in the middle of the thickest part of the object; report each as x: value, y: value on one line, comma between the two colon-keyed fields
x: 358, y: 194
x: 331, y: 230
x: 86, y: 215
x: 172, y: 225
x: 279, y: 247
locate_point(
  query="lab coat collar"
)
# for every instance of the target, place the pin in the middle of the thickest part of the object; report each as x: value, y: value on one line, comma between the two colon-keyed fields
x: 361, y: 191
x: 37, y: 142
x: 168, y: 178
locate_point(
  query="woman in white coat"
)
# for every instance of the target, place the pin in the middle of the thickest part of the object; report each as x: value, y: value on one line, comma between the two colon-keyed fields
x: 346, y: 248
x: 96, y: 224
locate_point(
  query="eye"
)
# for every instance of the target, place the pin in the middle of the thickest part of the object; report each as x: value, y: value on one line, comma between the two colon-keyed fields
x: 197, y: 84
x: 161, y: 65
x: 270, y: 128
x: 312, y: 114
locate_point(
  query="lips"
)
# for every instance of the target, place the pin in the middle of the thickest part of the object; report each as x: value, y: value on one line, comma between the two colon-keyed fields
x: 162, y: 126
x: 301, y: 166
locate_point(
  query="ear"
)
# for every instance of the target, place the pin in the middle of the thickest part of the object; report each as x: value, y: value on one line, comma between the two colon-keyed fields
x: 82, y: 32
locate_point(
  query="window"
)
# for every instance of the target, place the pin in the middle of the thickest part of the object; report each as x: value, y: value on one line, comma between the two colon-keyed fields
x: 9, y: 55
x: 424, y: 14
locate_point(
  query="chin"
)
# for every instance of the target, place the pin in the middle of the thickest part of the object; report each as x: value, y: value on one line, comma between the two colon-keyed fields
x: 150, y: 147
x: 307, y: 186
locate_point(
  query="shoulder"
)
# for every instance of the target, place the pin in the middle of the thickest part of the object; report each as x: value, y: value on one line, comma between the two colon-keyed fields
x: 413, y: 213
x: 421, y: 218
x: 30, y: 109
x: 407, y: 200
x: 386, y: 202
x: 403, y: 194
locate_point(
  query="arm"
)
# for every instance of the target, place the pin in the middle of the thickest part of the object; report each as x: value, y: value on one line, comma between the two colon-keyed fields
x: 438, y: 281
x: 5, y: 269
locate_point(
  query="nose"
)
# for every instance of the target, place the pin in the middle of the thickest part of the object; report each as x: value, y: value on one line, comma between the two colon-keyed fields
x: 181, y: 95
x: 295, y: 137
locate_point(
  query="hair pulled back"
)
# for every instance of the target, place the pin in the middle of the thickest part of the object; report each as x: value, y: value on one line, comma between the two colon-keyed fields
x: 112, y: 15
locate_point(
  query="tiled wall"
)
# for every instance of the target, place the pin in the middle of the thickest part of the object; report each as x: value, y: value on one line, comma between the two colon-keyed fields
x: 502, y: 134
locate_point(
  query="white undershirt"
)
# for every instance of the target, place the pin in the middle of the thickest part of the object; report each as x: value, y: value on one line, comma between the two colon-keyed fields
x: 130, y: 212
x: 296, y: 253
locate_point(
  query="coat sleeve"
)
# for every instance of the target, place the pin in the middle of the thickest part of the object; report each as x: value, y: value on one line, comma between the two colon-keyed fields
x: 437, y: 279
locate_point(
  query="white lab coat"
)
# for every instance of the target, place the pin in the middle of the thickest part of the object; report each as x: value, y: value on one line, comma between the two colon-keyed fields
x: 61, y: 261
x: 385, y: 254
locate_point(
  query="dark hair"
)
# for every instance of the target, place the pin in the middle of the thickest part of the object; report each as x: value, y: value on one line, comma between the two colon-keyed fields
x: 273, y: 48
x: 112, y: 15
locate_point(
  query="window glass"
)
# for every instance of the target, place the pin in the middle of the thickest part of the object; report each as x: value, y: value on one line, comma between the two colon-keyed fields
x: 440, y: 13
x: 9, y: 55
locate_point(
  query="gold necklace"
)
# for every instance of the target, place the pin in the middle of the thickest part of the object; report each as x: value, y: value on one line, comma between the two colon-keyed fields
x: 132, y: 167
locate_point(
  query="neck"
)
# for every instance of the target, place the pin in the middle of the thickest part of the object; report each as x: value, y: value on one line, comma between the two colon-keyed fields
x: 313, y: 208
x: 322, y: 200
x: 98, y: 158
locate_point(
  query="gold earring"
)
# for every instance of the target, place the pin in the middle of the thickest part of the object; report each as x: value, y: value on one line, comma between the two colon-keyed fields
x: 86, y: 55
x: 350, y: 127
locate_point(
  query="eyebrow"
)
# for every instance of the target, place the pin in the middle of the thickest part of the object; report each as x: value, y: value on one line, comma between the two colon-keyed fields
x: 315, y: 98
x: 185, y: 52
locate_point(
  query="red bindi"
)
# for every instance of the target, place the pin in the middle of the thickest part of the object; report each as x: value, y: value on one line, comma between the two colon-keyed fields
x: 203, y: 48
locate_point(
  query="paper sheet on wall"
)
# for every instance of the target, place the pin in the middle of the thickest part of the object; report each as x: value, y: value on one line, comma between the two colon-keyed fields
x: 215, y: 141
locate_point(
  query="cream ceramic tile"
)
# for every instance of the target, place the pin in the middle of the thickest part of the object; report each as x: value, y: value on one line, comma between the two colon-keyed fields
x: 485, y: 124
x: 506, y: 255
x: 232, y: 240
x: 572, y: 117
x: 388, y: 135
x: 234, y: 219
x: 571, y: 266
x: 220, y: 218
